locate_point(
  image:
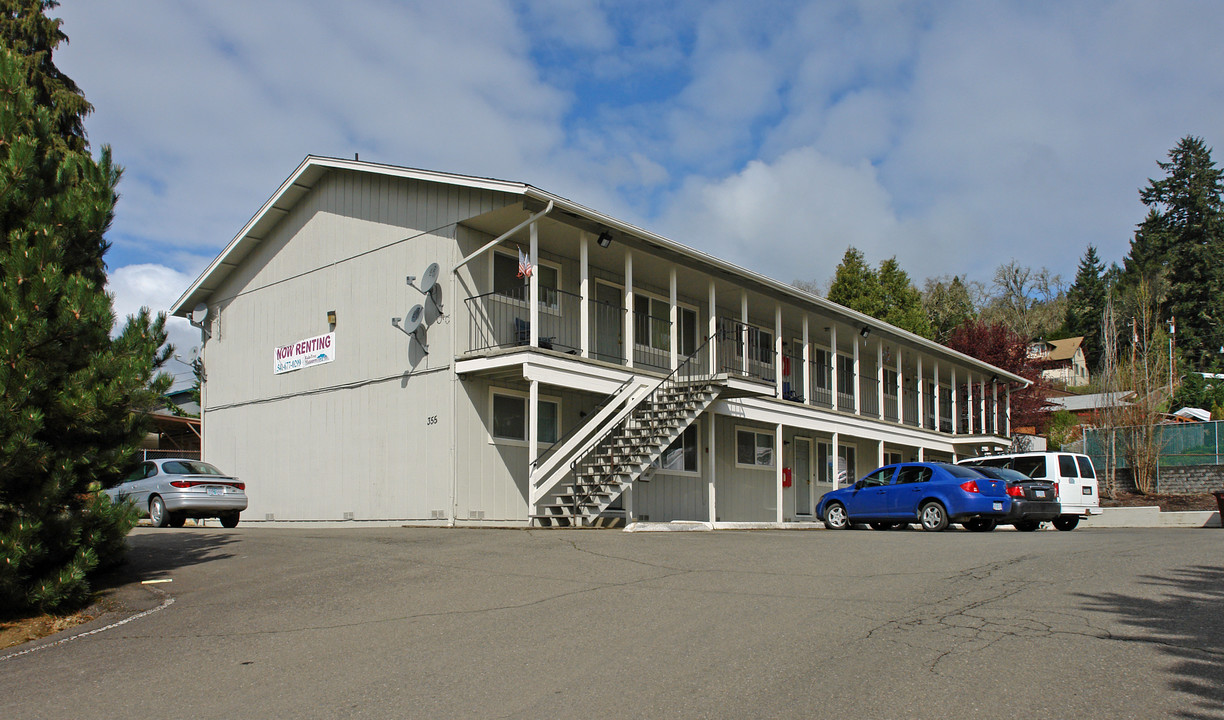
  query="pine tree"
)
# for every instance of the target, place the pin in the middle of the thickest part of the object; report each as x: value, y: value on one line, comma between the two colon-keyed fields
x: 68, y: 391
x: 948, y: 305
x: 1183, y: 234
x: 1085, y: 303
x: 886, y: 294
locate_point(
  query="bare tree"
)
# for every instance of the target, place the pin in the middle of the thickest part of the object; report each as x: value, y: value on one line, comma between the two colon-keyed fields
x: 1145, y: 374
x: 1109, y: 415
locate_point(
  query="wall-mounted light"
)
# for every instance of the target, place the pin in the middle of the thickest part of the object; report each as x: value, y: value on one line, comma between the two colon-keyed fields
x: 994, y: 378
x: 604, y: 239
x: 865, y: 331
x: 331, y: 319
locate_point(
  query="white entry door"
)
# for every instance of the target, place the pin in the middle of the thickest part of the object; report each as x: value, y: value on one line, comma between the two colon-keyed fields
x: 801, y: 475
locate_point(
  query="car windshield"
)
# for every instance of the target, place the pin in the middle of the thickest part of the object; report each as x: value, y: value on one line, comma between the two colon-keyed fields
x: 189, y: 467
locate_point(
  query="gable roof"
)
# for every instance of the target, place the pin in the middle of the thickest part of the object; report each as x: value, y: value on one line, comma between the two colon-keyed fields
x: 313, y: 168
x: 1064, y: 349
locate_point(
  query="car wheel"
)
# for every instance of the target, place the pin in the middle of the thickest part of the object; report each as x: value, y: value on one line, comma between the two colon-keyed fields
x: 177, y: 520
x: 157, y: 512
x: 980, y: 525
x: 1066, y: 522
x: 836, y: 518
x: 1027, y: 525
x: 229, y: 520
x: 933, y: 516
x: 882, y: 525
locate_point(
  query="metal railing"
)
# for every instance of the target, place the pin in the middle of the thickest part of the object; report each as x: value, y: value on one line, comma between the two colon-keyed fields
x: 822, y: 384
x: 502, y: 319
x: 890, y: 405
x: 869, y: 396
x: 689, y: 372
x: 733, y: 337
x: 909, y: 405
x: 651, y: 341
x: 792, y: 377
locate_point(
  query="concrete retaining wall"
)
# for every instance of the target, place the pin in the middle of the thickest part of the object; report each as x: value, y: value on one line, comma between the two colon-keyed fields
x: 1185, y: 480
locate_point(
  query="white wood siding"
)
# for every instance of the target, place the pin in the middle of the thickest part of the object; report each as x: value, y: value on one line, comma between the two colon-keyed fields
x: 354, y: 435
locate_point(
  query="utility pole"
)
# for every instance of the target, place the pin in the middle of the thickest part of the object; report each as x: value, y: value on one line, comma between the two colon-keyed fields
x: 1172, y: 334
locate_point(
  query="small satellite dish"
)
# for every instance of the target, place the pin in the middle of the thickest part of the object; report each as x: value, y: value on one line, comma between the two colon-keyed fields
x: 198, y: 314
x: 433, y: 304
x: 412, y: 321
x: 430, y: 278
x: 413, y: 325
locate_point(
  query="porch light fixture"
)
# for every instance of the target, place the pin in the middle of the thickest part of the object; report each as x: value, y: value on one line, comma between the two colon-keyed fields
x: 331, y: 318
x: 865, y: 331
x: 604, y: 239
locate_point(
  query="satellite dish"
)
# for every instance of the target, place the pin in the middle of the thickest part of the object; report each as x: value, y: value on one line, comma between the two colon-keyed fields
x: 430, y: 278
x: 198, y: 314
x: 412, y: 321
x: 413, y: 325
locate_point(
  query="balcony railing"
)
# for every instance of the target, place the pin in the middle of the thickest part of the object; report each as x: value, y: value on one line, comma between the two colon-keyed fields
x: 502, y: 319
x: 733, y: 338
x: 822, y: 384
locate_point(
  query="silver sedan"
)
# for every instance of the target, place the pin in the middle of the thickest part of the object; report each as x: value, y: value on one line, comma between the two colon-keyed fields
x: 170, y: 490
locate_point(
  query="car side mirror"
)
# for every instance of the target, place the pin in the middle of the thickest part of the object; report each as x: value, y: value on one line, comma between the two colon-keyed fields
x: 859, y: 485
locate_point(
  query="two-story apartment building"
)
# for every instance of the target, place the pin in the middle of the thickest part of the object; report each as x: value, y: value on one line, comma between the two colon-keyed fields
x: 624, y: 375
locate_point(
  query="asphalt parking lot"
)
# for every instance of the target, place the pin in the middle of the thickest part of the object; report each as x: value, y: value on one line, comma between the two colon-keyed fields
x: 425, y: 622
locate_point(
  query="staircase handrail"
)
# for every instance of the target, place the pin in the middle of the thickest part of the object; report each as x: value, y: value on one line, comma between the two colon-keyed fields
x: 565, y: 438
x: 648, y: 397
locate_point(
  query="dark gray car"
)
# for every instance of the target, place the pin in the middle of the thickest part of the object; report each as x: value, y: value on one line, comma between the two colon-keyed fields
x: 170, y: 490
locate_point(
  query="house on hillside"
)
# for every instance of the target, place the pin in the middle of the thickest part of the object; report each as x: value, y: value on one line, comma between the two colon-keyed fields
x: 388, y: 343
x: 1061, y: 361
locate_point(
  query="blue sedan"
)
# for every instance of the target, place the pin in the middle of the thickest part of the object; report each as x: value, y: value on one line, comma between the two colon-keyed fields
x: 931, y: 494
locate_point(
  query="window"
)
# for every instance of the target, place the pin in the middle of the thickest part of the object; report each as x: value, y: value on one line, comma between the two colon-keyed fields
x: 754, y: 449
x: 880, y: 477
x: 890, y: 383
x: 845, y: 375
x: 822, y: 369
x: 510, y: 418
x: 1066, y: 466
x: 914, y: 474
x: 507, y: 282
x: 1033, y: 466
x: 681, y: 456
x: 892, y: 458
x: 651, y: 322
x: 1085, y: 466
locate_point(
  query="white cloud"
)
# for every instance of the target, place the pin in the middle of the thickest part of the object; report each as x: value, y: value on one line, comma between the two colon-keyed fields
x: 955, y: 135
x: 154, y: 287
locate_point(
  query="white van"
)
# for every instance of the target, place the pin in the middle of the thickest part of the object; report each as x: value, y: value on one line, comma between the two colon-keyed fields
x: 1072, y: 473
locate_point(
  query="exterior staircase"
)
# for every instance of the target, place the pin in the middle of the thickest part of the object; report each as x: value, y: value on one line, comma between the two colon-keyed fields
x: 624, y: 453
x: 573, y: 482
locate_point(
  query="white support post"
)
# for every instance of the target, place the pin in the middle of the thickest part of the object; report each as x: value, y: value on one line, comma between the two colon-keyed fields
x: 675, y: 320
x: 879, y: 391
x: 712, y: 464
x: 835, y: 452
x: 938, y: 400
x: 901, y: 390
x: 1008, y: 418
x: 713, y: 342
x: 880, y: 453
x: 921, y: 396
x: 533, y: 424
x: 971, y: 424
x: 744, y: 329
x: 994, y: 407
x: 982, y: 405
x: 778, y: 350
x: 855, y: 385
x: 629, y: 339
x: 533, y: 289
x: 584, y: 292
x: 955, y: 404
x: 807, y: 363
x: 835, y: 378
x: 778, y: 516
x: 921, y: 454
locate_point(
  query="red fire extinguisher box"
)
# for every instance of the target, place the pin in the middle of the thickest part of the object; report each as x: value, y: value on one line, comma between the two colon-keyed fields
x: 786, y: 477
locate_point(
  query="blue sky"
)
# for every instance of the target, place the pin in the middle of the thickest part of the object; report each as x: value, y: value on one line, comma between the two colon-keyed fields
x: 953, y: 135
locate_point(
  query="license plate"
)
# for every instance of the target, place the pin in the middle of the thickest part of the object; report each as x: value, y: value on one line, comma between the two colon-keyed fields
x: 998, y: 506
x: 216, y: 491
x: 1039, y: 493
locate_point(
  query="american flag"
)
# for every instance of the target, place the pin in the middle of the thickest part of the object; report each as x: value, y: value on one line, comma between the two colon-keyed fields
x: 524, y: 270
